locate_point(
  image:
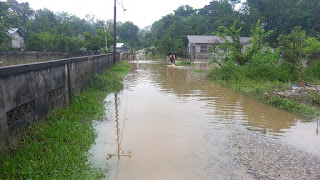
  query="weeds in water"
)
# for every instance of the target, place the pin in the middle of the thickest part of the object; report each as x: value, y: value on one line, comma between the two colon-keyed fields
x: 246, y: 80
x: 199, y: 71
x: 293, y: 106
x: 184, y: 63
x: 56, y: 148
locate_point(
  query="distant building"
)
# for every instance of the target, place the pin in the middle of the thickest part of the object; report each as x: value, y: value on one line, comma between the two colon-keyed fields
x: 198, y: 46
x: 81, y: 36
x: 149, y: 50
x: 17, y: 38
x: 121, y: 47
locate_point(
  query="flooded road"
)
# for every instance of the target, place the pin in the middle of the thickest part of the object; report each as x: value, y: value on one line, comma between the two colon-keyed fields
x: 172, y: 123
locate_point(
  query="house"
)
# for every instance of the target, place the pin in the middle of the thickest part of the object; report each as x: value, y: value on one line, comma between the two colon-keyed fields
x: 17, y: 38
x: 121, y: 47
x: 149, y: 50
x: 198, y: 45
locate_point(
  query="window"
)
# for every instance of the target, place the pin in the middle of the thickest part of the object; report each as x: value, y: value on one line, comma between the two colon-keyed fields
x: 203, y: 49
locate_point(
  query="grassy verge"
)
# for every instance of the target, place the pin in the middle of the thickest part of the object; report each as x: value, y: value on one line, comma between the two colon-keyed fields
x: 265, y: 90
x: 56, y: 148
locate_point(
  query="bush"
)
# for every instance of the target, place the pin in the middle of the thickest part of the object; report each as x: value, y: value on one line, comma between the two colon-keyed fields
x: 293, y: 106
x: 313, y: 72
x: 227, y: 72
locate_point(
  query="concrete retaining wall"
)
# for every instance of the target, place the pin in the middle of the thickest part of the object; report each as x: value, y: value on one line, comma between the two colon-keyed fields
x: 9, y: 58
x: 29, y: 92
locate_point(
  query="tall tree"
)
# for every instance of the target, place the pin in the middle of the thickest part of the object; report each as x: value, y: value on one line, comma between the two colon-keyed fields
x: 184, y: 11
x: 7, y: 20
x: 23, y: 10
x: 128, y: 33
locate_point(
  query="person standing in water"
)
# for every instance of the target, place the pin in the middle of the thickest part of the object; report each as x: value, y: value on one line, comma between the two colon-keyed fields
x: 172, y: 58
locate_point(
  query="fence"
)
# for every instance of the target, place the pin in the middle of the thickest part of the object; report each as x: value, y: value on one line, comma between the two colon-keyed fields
x: 29, y: 92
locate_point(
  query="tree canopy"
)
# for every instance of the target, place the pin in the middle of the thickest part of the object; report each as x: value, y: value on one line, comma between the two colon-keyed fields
x: 167, y: 34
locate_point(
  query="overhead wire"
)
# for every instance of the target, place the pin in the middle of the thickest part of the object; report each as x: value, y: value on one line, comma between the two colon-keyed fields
x: 124, y: 9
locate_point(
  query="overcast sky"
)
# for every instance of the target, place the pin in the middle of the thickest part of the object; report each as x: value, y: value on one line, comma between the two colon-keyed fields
x: 141, y: 12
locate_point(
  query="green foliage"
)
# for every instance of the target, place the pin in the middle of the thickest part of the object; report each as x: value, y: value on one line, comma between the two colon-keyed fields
x: 291, y: 47
x: 265, y: 66
x: 184, y: 11
x: 296, y: 47
x: 184, y: 63
x: 293, y: 106
x: 46, y: 41
x: 110, y: 80
x: 227, y: 72
x: 283, y: 16
x: 93, y: 43
x: 236, y: 78
x: 262, y: 67
x: 312, y: 72
x: 23, y: 10
x: 259, y: 41
x: 56, y: 148
x: 234, y: 46
x: 168, y: 44
x: 7, y: 19
x: 128, y: 33
x: 311, y: 49
x: 48, y: 31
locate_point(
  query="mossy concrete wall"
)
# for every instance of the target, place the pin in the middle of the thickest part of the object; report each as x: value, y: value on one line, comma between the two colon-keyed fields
x: 29, y: 92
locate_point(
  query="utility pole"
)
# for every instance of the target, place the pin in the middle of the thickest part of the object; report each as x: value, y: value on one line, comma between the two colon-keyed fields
x: 105, y: 36
x: 115, y: 32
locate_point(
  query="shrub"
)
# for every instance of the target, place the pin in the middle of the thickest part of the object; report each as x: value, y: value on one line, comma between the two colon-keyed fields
x: 313, y: 72
x: 227, y: 72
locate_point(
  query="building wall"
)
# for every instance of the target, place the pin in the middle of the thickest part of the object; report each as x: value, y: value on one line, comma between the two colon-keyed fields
x: 124, y: 50
x: 17, y: 41
x: 29, y: 92
x: 194, y: 51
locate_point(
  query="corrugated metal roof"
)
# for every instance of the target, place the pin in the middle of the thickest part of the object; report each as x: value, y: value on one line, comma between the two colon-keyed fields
x: 11, y: 31
x: 119, y: 45
x: 199, y: 39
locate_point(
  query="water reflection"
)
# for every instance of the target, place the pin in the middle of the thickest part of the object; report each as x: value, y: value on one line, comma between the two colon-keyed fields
x: 119, y: 152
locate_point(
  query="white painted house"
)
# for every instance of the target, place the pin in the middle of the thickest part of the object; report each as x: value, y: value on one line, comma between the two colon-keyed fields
x: 198, y: 45
x: 17, y: 38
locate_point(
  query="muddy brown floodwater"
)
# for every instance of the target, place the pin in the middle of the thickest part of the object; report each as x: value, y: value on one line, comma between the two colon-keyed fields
x: 172, y: 123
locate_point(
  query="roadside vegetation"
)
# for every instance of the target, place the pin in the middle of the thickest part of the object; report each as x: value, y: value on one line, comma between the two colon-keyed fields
x: 45, y: 30
x: 56, y: 148
x: 184, y: 63
x: 275, y: 76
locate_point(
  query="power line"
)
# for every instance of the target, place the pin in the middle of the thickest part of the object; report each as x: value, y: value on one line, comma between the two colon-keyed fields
x: 124, y: 10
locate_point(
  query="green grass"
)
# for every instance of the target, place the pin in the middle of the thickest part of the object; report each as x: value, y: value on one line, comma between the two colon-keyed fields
x: 184, y: 63
x: 293, y: 106
x: 56, y: 148
x: 199, y: 71
x: 263, y: 89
